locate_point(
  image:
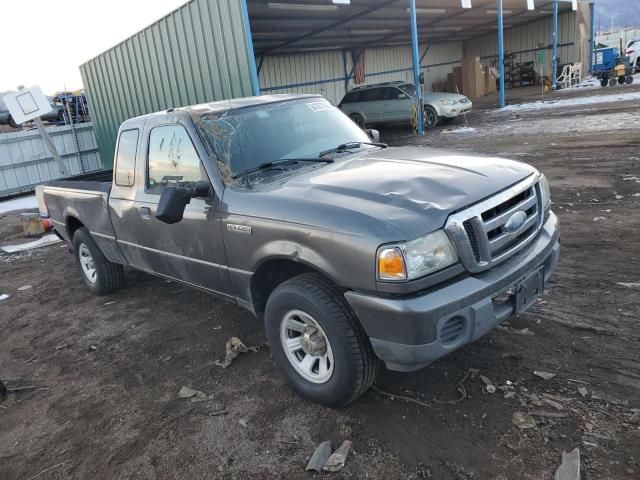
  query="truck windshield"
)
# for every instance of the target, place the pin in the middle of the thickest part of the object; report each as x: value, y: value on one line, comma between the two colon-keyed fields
x: 246, y: 138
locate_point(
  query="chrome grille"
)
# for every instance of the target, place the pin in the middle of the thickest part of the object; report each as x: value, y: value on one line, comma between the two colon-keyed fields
x: 481, y: 234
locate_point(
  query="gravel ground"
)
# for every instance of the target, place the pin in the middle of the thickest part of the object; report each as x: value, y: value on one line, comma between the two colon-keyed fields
x: 108, y: 369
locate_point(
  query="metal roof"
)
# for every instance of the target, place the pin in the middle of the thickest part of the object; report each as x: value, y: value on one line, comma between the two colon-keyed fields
x: 297, y: 26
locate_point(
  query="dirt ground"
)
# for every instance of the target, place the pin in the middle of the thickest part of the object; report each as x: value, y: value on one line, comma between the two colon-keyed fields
x: 108, y: 370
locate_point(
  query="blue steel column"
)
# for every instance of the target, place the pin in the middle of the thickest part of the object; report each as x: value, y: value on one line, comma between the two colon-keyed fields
x: 592, y: 36
x: 255, y: 83
x: 554, y: 56
x: 416, y: 63
x: 501, y: 101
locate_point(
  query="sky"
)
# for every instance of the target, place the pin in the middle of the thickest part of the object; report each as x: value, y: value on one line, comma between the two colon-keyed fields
x: 624, y: 13
x: 45, y: 41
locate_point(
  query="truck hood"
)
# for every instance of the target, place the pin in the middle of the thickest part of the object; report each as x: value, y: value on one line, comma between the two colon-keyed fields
x: 409, y: 190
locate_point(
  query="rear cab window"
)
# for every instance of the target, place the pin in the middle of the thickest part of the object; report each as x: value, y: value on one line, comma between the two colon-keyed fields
x: 172, y: 160
x: 126, y: 158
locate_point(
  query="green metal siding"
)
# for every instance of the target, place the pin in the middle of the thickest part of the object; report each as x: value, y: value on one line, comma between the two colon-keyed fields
x: 196, y: 54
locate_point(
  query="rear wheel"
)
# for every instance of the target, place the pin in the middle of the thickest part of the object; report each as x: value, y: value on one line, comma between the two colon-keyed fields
x: 430, y: 116
x: 629, y: 79
x: 613, y: 82
x: 99, y: 275
x: 317, y: 342
x: 358, y: 120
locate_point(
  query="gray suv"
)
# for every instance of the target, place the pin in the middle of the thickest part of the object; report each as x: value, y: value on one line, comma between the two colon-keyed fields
x: 393, y: 102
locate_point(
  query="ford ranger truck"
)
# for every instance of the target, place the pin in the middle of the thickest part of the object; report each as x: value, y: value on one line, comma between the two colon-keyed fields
x: 353, y: 253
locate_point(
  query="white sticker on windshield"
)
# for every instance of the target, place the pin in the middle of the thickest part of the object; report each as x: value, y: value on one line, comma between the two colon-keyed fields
x: 319, y: 106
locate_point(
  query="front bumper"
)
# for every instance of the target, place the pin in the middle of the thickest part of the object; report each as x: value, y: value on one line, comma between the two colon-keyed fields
x: 411, y: 332
x: 452, y: 111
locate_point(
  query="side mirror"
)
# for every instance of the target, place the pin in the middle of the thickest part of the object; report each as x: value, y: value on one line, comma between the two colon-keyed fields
x: 403, y: 96
x: 202, y: 189
x: 374, y: 135
x: 172, y: 203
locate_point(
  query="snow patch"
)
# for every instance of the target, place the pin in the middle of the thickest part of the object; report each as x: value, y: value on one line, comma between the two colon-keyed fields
x: 571, y: 102
x: 21, y: 203
x: 459, y: 130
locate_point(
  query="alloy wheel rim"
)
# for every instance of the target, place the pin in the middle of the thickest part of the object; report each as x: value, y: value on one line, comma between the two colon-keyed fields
x: 428, y: 117
x: 87, y: 263
x: 306, y: 346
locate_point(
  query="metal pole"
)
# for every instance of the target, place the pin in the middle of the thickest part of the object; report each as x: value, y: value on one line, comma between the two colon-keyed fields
x: 51, y: 147
x: 554, y: 59
x: 592, y: 43
x: 501, y: 101
x: 253, y: 69
x: 416, y: 63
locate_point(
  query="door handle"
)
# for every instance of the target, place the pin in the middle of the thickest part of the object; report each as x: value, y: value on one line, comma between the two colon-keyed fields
x: 145, y: 212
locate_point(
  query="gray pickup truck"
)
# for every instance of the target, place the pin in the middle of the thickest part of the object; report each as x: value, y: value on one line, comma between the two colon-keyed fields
x: 351, y: 251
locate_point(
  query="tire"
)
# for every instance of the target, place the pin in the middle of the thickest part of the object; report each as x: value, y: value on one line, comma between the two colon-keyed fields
x: 105, y: 276
x: 353, y: 366
x: 604, y: 82
x: 430, y: 119
x: 629, y: 80
x: 613, y: 82
x: 358, y: 120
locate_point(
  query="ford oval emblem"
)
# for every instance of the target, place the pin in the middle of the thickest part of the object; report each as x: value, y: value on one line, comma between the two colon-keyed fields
x: 515, y: 222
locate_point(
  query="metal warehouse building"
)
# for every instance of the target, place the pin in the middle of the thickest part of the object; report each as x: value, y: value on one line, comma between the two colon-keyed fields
x: 215, y: 49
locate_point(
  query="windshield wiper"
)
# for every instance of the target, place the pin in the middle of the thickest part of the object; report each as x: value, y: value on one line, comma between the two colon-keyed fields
x: 349, y: 145
x: 283, y: 161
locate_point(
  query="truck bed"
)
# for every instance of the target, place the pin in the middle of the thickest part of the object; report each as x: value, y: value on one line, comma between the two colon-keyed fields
x: 88, y: 185
x: 80, y: 203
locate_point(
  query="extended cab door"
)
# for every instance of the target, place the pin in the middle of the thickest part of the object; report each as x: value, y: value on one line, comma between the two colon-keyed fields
x: 170, y: 154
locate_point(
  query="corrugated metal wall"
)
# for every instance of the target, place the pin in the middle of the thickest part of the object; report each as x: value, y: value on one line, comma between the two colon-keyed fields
x: 25, y: 161
x: 323, y: 72
x: 195, y: 54
x: 525, y: 41
x: 612, y: 39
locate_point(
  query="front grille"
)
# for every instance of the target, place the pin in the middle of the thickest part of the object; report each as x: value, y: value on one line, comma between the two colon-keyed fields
x: 473, y: 241
x: 495, y: 229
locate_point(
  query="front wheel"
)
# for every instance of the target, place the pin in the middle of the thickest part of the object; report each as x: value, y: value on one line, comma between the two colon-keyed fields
x: 99, y: 275
x: 358, y: 120
x: 430, y: 116
x: 317, y: 342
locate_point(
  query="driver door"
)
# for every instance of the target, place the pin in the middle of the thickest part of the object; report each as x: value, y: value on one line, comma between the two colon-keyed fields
x: 190, y: 250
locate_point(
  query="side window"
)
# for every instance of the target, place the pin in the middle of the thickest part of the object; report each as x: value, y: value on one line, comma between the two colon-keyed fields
x: 173, y: 160
x: 371, y: 95
x: 126, y: 158
x: 352, y: 97
x: 390, y: 93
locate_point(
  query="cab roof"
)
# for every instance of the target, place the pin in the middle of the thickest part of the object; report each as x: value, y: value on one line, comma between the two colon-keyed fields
x: 223, y: 106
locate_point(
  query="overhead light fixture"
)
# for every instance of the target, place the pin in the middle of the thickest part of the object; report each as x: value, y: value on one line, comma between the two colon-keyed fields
x: 574, y: 5
x: 429, y: 11
x: 449, y: 29
x: 495, y: 12
x: 530, y: 5
x: 546, y: 12
x: 302, y: 6
x: 466, y: 3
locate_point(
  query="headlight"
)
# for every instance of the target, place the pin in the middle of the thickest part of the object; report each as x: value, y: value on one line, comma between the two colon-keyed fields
x: 420, y: 257
x: 545, y: 192
x: 448, y: 101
